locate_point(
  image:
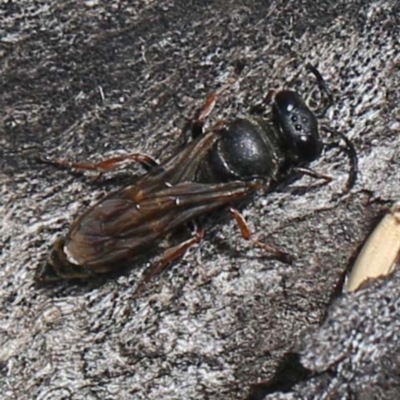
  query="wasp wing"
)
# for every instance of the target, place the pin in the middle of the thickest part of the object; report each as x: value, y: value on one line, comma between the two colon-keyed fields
x: 120, y: 228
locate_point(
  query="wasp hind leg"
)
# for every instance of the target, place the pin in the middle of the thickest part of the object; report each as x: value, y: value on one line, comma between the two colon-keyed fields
x: 168, y: 257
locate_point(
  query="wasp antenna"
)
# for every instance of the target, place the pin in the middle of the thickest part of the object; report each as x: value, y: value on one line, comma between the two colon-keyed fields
x: 324, y: 89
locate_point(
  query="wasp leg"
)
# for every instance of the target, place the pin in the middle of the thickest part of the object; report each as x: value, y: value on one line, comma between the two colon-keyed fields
x: 313, y: 174
x: 246, y: 234
x: 169, y: 256
x: 106, y: 165
x: 205, y: 110
x: 260, y: 107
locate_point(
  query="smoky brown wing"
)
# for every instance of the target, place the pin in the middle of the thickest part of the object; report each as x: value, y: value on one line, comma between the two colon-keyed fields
x: 178, y: 169
x: 118, y: 229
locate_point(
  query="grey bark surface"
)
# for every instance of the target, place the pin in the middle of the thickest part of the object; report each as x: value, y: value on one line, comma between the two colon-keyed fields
x: 86, y: 80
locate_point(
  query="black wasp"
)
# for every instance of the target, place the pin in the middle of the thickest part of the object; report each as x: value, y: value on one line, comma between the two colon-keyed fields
x: 217, y: 168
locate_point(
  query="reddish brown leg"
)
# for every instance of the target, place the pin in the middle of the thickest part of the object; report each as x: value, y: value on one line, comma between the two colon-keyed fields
x: 244, y: 230
x: 169, y: 256
x: 107, y: 165
x: 260, y: 107
x: 207, y: 107
x: 313, y: 174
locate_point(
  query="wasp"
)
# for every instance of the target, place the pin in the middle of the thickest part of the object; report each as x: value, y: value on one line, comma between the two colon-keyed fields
x: 221, y: 166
